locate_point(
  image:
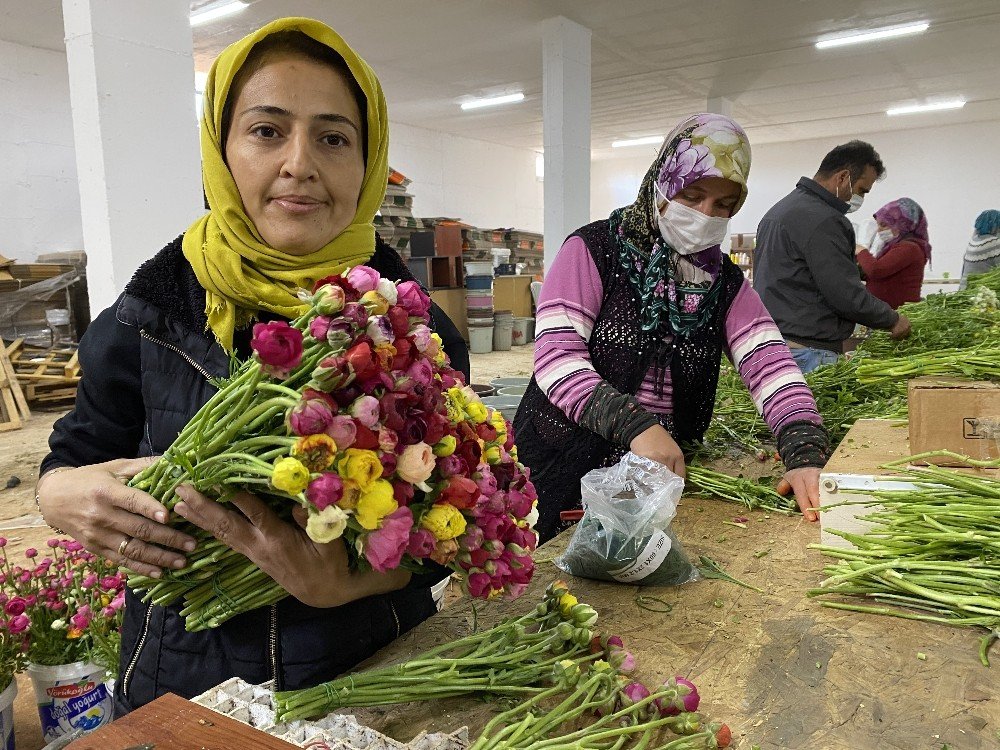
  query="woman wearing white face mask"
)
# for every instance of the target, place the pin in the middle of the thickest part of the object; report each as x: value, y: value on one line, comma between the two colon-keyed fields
x: 894, y: 266
x: 633, y: 319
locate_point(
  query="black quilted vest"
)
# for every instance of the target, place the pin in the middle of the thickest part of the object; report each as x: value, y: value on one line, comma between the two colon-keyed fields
x: 558, y: 451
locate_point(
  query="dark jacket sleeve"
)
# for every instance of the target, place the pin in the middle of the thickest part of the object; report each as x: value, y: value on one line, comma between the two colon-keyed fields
x: 108, y: 417
x: 829, y: 253
x: 454, y: 345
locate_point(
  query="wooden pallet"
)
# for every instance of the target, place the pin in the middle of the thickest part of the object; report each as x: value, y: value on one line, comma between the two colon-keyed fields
x: 13, y: 405
x: 47, y: 375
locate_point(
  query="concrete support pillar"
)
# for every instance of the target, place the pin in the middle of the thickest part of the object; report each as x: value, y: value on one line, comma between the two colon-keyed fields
x: 566, y: 113
x: 131, y: 79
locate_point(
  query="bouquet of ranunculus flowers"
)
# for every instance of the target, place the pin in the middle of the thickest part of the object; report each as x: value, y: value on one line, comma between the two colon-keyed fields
x: 64, y: 606
x: 352, y: 412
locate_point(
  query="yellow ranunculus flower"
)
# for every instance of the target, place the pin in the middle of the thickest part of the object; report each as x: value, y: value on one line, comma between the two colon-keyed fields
x: 349, y: 500
x: 440, y: 359
x: 566, y: 602
x: 326, y: 525
x: 316, y: 452
x: 359, y: 465
x: 444, y: 521
x: 513, y: 453
x: 492, y: 455
x: 445, y: 446
x: 74, y: 633
x: 498, y: 422
x: 476, y: 411
x: 457, y: 395
x: 375, y: 503
x: 290, y: 475
x: 375, y: 302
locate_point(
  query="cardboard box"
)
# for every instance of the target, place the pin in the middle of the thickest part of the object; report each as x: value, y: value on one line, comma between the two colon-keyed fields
x: 962, y: 416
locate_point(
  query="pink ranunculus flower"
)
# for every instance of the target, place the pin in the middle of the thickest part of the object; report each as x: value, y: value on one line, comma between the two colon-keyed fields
x: 365, y: 409
x: 355, y: 313
x: 416, y: 463
x: 310, y: 416
x: 412, y: 297
x: 472, y: 538
x: 379, y: 330
x: 451, y: 465
x: 278, y: 347
x: 19, y: 624
x: 421, y: 337
x: 385, y: 546
x: 623, y: 660
x: 319, y: 326
x: 486, y: 482
x: 684, y: 697
x: 421, y: 372
x: 479, y: 584
x: 363, y: 278
x: 519, y: 503
x: 15, y: 607
x: 325, y: 490
x: 634, y: 692
x: 343, y: 431
x: 82, y: 618
x: 388, y: 440
x: 421, y: 543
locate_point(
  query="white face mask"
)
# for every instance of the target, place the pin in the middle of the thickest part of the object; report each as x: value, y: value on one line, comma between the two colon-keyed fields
x: 854, y: 202
x: 885, y: 235
x: 687, y: 230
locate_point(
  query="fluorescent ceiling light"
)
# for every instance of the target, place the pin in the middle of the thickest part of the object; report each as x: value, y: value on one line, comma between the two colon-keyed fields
x: 644, y: 141
x: 490, y: 101
x: 915, y: 108
x: 872, y: 36
x: 218, y: 10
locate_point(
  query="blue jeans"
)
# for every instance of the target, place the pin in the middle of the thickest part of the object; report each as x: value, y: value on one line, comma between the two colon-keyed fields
x: 809, y: 359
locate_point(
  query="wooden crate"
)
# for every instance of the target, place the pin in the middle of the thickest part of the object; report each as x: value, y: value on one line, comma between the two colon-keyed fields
x: 46, y: 375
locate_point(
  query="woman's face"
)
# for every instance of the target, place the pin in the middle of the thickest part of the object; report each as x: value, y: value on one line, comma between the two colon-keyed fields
x: 294, y: 149
x: 713, y: 196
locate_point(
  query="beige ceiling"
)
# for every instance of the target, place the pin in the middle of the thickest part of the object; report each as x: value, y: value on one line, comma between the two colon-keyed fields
x: 653, y: 60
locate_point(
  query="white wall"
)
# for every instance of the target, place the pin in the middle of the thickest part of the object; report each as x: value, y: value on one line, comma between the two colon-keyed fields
x: 483, y: 184
x: 39, y: 199
x: 952, y: 171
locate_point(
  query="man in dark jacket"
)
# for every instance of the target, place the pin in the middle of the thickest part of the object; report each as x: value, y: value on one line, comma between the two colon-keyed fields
x: 804, y: 267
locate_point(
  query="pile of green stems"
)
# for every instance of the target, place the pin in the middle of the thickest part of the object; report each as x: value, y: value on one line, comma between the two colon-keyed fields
x: 753, y: 494
x: 932, y: 553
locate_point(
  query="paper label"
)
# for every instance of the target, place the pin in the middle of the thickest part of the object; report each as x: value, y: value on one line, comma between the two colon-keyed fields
x: 84, y: 705
x: 646, y: 562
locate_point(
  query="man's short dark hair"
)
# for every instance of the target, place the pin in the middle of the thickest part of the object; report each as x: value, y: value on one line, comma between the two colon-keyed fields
x: 855, y: 156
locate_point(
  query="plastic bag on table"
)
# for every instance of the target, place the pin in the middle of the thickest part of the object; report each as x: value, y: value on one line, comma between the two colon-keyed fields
x: 625, y: 533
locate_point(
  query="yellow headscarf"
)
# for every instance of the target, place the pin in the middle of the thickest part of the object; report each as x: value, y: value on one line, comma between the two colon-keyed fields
x: 240, y: 272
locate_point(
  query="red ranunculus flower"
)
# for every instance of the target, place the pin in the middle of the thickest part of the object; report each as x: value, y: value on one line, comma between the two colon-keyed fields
x: 399, y: 319
x: 350, y: 293
x: 364, y: 438
x: 472, y: 453
x: 460, y: 492
x: 361, y: 360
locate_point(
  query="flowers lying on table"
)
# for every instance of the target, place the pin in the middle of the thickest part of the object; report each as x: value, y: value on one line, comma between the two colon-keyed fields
x: 59, y: 608
x: 353, y: 413
x: 576, y: 683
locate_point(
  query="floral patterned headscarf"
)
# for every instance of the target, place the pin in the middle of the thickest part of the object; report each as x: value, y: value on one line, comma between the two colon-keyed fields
x: 671, y: 287
x: 907, y: 221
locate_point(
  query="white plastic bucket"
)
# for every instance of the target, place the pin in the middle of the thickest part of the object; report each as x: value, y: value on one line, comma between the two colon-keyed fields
x: 481, y: 339
x: 503, y: 335
x: 519, y: 334
x: 513, y: 391
x: 479, y: 268
x: 499, y: 383
x: 7, y: 715
x: 70, y: 697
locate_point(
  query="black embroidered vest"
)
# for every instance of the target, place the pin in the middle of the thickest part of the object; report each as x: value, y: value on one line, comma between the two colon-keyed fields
x: 560, y: 452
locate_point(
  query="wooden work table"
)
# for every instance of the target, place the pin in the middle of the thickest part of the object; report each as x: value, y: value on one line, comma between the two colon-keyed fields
x: 780, y: 669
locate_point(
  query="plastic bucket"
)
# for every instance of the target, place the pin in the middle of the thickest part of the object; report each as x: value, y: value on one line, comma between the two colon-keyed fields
x: 70, y: 697
x: 479, y: 268
x: 513, y: 391
x: 483, y: 390
x: 484, y: 283
x: 529, y: 324
x: 480, y: 339
x: 503, y: 404
x: 7, y: 715
x: 519, y: 334
x: 502, y: 335
x: 499, y: 383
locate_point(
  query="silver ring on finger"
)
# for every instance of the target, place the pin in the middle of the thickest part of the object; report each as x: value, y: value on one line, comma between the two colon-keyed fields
x: 122, y: 547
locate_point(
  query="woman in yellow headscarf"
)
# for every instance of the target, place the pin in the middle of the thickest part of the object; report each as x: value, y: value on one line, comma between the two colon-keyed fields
x: 294, y: 149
